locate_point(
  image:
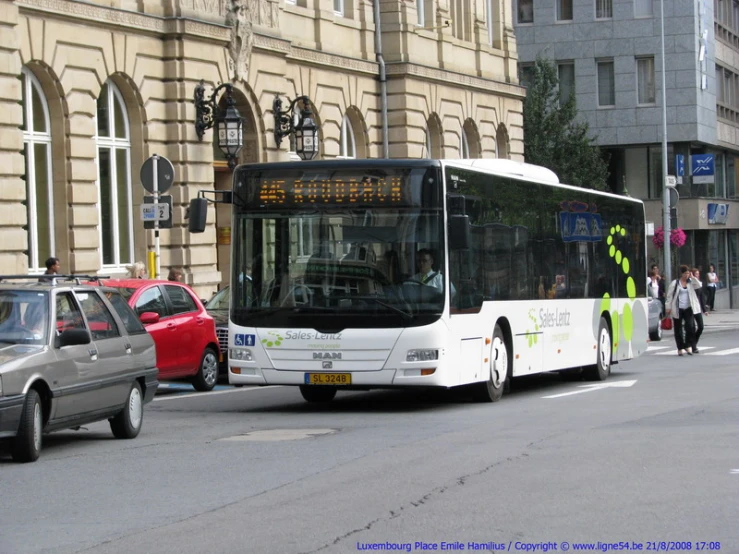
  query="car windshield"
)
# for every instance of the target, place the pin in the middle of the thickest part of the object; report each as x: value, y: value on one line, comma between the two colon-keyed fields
x: 24, y: 317
x: 220, y: 300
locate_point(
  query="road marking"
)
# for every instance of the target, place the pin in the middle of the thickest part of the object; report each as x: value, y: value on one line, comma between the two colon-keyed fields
x: 674, y: 352
x: 653, y: 348
x: 725, y: 352
x: 734, y: 472
x: 213, y: 392
x: 599, y: 386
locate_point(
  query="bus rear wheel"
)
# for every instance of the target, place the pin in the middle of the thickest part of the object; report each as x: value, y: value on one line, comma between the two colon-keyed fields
x: 318, y: 393
x: 500, y: 369
x: 602, y: 367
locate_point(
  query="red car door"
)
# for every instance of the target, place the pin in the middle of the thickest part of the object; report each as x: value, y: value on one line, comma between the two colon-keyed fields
x: 192, y: 328
x: 164, y: 332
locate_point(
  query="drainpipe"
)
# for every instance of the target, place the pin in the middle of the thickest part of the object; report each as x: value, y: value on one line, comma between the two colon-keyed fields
x: 383, y: 80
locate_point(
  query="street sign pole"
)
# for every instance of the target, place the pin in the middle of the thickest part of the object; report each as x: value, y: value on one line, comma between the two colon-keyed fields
x: 155, y: 187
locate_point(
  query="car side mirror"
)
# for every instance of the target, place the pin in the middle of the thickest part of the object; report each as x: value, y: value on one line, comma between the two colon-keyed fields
x: 149, y: 317
x: 72, y: 337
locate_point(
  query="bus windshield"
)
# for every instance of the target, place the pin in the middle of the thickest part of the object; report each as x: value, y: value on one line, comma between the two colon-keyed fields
x: 319, y: 249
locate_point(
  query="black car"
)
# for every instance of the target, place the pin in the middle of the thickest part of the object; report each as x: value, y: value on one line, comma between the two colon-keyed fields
x: 217, y: 308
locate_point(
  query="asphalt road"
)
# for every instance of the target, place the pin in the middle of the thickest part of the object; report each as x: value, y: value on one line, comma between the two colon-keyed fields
x: 650, y: 458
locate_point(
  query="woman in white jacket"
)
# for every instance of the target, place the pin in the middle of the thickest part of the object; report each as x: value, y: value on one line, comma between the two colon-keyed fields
x: 681, y: 304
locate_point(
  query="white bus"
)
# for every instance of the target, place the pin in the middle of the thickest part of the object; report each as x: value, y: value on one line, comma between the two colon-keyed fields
x: 521, y: 275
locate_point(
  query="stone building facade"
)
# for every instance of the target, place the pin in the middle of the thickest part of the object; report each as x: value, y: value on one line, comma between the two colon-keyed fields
x: 89, y: 90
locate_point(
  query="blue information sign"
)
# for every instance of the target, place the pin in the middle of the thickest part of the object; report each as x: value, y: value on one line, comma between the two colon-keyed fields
x: 680, y: 165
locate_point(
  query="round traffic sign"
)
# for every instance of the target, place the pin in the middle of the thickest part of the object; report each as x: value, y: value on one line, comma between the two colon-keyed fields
x: 165, y: 174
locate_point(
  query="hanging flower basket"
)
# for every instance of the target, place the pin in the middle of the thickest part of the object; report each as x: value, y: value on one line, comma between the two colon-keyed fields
x: 677, y: 238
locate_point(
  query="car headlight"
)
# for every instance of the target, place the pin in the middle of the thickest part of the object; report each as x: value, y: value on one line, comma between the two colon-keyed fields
x: 421, y: 355
x: 1, y: 385
x: 241, y: 354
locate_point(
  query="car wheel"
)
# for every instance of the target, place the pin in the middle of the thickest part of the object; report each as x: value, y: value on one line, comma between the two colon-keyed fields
x: 602, y: 367
x: 27, y: 443
x: 492, y: 389
x: 127, y: 423
x: 207, y: 375
x: 318, y: 393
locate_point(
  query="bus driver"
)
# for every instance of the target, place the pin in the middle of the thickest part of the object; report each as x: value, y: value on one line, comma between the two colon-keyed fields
x: 426, y: 275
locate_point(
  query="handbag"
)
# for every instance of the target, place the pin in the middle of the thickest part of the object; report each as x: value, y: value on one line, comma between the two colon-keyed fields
x: 666, y: 323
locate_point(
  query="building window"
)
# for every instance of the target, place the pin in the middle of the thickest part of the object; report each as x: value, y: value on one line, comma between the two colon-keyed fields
x: 603, y: 9
x: 606, y: 84
x: 525, y: 11
x: 348, y: 145
x: 566, y: 75
x: 491, y: 21
x: 526, y: 74
x: 427, y: 143
x: 114, y: 178
x: 643, y: 8
x: 420, y: 13
x: 464, y: 146
x: 460, y: 16
x: 645, y: 80
x: 564, y: 10
x: 39, y: 190
x: 339, y: 7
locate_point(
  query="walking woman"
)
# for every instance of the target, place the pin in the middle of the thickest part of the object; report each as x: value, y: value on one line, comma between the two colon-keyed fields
x: 712, y: 286
x: 682, y: 303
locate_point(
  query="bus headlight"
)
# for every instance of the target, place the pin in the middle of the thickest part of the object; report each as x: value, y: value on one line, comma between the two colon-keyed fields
x: 421, y: 355
x: 241, y: 354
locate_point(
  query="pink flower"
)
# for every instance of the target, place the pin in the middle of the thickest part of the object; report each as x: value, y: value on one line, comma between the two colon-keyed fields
x: 677, y: 238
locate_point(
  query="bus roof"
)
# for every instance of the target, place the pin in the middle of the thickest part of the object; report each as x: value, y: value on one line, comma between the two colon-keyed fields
x: 498, y: 166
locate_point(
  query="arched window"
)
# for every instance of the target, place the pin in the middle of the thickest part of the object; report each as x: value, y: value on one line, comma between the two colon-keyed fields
x: 501, y: 141
x: 114, y: 178
x: 464, y: 146
x: 347, y: 142
x: 434, y: 137
x: 427, y: 143
x: 39, y: 191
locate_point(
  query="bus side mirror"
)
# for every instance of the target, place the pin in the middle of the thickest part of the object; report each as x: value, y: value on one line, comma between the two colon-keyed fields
x: 459, y: 232
x: 198, y: 214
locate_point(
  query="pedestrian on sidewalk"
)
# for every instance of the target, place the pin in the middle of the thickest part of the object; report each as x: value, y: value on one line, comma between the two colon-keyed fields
x: 712, y: 277
x: 682, y: 303
x: 696, y: 275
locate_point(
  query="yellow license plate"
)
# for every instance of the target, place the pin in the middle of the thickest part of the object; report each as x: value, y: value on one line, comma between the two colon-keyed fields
x: 328, y: 378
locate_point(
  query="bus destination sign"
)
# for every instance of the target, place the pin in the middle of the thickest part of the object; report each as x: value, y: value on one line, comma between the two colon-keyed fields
x: 382, y: 191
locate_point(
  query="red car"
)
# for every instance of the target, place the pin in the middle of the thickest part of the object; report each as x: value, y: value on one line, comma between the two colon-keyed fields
x: 183, y: 332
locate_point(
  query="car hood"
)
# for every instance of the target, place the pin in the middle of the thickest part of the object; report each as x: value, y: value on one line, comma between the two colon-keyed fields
x: 15, y: 352
x: 220, y: 317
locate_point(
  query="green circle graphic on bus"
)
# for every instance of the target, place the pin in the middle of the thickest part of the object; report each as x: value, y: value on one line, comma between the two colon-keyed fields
x: 275, y: 339
x: 624, y: 321
x: 628, y: 322
x: 532, y: 338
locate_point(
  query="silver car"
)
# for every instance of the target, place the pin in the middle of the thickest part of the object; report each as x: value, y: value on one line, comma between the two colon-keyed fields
x: 70, y: 354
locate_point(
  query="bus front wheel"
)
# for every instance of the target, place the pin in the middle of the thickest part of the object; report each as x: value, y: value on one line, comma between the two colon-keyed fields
x: 318, y: 393
x: 602, y: 367
x: 500, y: 368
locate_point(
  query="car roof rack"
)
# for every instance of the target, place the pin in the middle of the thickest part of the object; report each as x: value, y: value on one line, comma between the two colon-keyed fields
x: 53, y: 279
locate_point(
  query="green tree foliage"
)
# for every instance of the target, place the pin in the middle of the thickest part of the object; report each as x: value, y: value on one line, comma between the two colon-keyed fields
x: 552, y: 136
